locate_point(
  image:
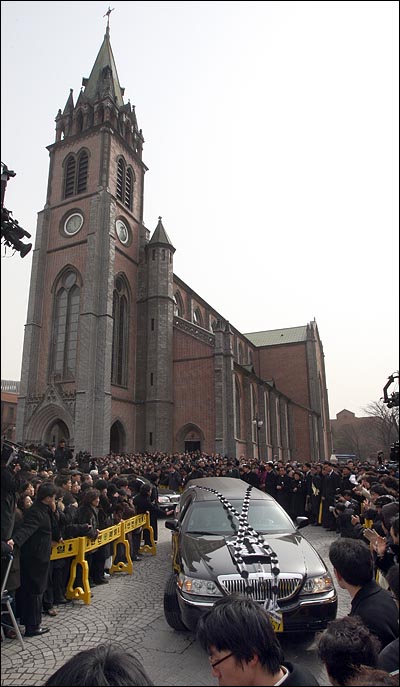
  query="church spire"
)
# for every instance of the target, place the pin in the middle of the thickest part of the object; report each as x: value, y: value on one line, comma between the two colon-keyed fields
x: 103, y: 79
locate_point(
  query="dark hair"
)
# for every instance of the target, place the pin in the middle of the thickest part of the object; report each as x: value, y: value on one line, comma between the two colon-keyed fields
x: 102, y: 665
x: 101, y: 484
x: 352, y: 559
x: 46, y: 489
x: 89, y: 496
x: 346, y: 644
x: 238, y: 624
x: 392, y: 577
x: 377, y: 488
x: 145, y: 489
x: 372, y: 677
x: 389, y: 511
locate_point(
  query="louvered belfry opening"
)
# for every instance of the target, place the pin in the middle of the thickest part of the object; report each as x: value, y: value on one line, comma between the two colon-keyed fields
x: 82, y: 172
x: 128, y: 189
x: 70, y: 177
x: 120, y: 179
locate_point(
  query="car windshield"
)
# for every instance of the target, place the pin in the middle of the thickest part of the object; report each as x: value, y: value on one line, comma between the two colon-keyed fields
x: 210, y: 517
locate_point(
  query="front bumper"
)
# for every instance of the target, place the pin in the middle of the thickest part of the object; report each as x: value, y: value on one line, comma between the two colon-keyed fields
x: 304, y: 614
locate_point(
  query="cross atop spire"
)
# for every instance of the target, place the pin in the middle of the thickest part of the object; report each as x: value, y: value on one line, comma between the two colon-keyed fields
x: 107, y: 14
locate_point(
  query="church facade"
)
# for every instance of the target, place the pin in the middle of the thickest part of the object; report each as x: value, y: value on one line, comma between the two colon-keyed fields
x: 119, y: 353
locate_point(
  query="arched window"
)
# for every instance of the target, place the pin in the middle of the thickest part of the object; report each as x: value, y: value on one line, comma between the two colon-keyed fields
x: 125, y: 184
x: 119, y: 362
x: 178, y: 304
x: 83, y: 165
x: 278, y: 422
x: 76, y: 181
x: 238, y: 423
x: 120, y: 179
x: 65, y: 327
x: 128, y: 188
x: 197, y: 319
x: 69, y: 188
x: 267, y: 418
x: 253, y: 410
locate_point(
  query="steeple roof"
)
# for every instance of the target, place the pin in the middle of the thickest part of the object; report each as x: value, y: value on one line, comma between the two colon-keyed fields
x: 104, y: 77
x: 69, y: 105
x: 160, y: 235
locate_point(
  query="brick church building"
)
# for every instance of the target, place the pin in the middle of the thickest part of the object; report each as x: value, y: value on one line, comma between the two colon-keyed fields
x: 119, y: 353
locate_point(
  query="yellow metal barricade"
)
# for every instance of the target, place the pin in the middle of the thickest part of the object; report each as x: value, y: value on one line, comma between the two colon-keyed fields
x: 79, y: 547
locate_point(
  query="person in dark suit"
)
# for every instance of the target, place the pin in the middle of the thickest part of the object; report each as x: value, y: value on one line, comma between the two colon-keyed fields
x: 330, y: 486
x: 270, y: 479
x: 352, y: 563
x: 142, y: 502
x: 297, y: 495
x: 62, y: 456
x: 34, y: 539
x: 283, y: 485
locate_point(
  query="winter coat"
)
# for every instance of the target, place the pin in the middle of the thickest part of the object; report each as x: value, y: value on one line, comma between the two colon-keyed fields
x: 33, y: 539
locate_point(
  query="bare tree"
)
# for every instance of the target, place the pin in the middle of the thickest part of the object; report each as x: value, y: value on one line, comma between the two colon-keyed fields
x: 387, y: 422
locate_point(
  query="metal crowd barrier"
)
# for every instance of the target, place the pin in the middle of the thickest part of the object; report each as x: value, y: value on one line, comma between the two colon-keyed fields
x: 79, y: 547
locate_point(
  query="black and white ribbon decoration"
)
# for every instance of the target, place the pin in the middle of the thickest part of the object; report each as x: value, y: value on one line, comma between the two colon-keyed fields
x: 249, y: 542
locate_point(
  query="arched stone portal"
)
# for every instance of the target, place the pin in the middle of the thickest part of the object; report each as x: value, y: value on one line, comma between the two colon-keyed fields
x: 190, y: 438
x: 117, y: 437
x: 56, y: 431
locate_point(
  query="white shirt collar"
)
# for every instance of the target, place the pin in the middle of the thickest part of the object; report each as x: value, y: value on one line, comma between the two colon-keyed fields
x: 282, y: 680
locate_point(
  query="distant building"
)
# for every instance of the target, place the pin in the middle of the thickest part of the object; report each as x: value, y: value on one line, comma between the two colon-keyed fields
x: 9, y: 400
x: 119, y: 353
x: 361, y: 436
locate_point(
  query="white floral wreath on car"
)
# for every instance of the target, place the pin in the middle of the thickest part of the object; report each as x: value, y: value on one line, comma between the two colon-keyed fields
x: 249, y: 542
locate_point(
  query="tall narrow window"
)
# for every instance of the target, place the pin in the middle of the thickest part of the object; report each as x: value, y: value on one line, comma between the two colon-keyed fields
x: 128, y: 188
x: 70, y: 177
x: 119, y: 362
x: 76, y: 174
x: 83, y: 165
x: 120, y: 179
x: 238, y: 424
x: 65, y: 328
x: 197, y: 319
x: 125, y: 183
x: 178, y: 304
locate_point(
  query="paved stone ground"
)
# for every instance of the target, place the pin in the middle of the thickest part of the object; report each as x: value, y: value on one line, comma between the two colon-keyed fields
x: 129, y: 611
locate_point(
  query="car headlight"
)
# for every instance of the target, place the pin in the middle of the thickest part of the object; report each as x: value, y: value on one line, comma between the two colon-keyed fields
x: 318, y: 585
x: 163, y: 499
x: 193, y: 585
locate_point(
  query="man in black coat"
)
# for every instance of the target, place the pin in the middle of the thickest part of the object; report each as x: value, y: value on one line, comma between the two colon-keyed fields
x: 62, y: 456
x: 34, y: 539
x: 352, y: 563
x: 330, y: 486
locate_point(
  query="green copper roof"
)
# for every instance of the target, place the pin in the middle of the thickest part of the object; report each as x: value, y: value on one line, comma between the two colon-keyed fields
x: 274, y: 337
x: 94, y: 85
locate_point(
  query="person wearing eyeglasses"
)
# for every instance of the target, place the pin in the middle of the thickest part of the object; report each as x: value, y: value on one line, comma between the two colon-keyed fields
x: 243, y: 648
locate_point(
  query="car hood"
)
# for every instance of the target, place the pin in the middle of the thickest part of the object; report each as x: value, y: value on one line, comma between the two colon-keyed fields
x: 207, y: 556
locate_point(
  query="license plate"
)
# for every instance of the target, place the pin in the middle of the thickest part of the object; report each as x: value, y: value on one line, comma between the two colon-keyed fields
x: 277, y: 622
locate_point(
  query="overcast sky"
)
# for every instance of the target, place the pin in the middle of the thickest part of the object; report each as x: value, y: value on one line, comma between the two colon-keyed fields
x: 271, y: 137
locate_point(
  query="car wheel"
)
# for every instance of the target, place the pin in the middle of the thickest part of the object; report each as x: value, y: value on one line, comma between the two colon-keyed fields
x: 171, y: 607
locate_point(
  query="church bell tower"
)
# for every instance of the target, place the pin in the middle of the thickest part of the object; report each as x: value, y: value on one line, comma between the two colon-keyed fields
x: 78, y: 367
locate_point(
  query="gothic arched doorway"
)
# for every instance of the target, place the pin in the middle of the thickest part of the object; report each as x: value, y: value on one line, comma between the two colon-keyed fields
x: 58, y: 430
x: 117, y: 437
x: 190, y: 439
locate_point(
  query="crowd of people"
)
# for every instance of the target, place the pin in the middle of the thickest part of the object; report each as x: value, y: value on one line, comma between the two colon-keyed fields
x: 59, y: 496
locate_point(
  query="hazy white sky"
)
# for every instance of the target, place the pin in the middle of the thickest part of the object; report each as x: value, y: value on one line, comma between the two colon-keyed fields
x: 271, y: 134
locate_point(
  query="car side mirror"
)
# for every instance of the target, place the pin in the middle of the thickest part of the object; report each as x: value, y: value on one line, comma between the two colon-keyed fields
x: 301, y: 522
x: 172, y: 525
